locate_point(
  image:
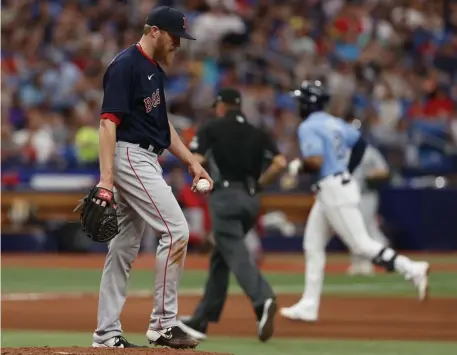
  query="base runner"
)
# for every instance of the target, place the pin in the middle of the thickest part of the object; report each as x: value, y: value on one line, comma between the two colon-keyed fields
x: 324, y: 143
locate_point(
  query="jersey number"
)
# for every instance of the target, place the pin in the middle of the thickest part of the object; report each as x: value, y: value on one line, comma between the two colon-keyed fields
x: 338, y: 145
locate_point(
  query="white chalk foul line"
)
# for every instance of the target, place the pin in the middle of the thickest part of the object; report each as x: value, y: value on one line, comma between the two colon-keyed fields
x: 292, y: 289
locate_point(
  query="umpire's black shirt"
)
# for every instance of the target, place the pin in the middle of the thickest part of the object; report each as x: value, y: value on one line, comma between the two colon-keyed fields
x: 238, y: 148
x: 134, y: 99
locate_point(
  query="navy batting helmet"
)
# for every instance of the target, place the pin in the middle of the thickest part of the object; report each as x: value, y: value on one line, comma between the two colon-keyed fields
x: 311, y: 96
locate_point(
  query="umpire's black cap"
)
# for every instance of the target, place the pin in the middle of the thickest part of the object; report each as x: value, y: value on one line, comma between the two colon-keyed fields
x: 169, y: 19
x: 229, y: 96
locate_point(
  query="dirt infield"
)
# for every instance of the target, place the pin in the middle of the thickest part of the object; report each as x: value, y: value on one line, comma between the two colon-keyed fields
x: 359, y: 318
x: 287, y: 262
x: 340, y: 317
x: 89, y: 351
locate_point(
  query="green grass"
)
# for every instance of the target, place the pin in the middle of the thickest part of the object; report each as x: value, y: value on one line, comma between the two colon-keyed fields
x: 247, y: 346
x: 73, y: 280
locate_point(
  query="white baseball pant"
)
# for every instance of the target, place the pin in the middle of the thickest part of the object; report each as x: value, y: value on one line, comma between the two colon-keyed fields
x: 369, y: 205
x: 337, y: 209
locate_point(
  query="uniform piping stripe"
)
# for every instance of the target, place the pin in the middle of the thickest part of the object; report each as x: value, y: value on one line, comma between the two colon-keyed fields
x: 111, y: 117
x: 138, y: 46
x: 169, y: 233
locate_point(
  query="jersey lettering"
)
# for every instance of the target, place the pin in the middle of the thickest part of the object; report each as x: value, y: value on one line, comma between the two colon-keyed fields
x: 329, y: 137
x: 338, y: 144
x: 153, y: 101
x: 337, y: 137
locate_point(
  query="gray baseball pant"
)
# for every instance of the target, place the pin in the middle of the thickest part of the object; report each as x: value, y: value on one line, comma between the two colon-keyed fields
x: 143, y: 198
x: 233, y: 214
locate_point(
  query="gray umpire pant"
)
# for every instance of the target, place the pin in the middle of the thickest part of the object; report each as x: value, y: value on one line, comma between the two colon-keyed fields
x: 233, y: 214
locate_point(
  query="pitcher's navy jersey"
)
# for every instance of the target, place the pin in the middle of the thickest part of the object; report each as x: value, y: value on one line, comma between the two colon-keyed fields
x: 324, y: 135
x: 134, y: 98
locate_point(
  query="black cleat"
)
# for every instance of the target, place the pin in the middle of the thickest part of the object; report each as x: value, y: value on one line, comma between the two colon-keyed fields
x: 193, y: 327
x: 265, y: 316
x: 172, y: 337
x: 116, y: 342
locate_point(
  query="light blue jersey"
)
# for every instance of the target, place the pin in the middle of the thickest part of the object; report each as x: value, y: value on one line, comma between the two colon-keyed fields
x: 322, y: 134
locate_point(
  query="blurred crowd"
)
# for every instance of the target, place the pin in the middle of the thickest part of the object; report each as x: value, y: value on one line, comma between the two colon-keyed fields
x: 391, y: 64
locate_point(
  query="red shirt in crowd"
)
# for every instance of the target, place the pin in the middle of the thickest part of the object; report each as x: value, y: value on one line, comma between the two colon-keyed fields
x: 438, y: 107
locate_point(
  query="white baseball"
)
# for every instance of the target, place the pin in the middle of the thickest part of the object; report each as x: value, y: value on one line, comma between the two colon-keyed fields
x: 294, y: 167
x: 203, y: 185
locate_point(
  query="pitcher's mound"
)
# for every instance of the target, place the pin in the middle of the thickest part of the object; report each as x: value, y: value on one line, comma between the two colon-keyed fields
x: 92, y: 351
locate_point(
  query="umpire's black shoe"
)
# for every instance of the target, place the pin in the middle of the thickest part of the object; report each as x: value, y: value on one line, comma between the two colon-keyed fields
x: 265, y: 319
x: 172, y: 337
x: 116, y: 342
x: 195, y: 328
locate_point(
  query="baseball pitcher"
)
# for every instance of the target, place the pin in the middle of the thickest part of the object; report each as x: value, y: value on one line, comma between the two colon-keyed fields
x: 134, y: 131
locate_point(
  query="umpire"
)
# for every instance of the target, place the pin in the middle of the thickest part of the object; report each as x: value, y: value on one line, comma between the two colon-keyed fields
x: 235, y: 152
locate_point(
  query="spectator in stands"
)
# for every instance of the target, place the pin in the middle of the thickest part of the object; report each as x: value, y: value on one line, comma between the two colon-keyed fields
x: 394, y: 56
x: 439, y: 105
x: 35, y: 141
x: 212, y: 26
x: 32, y: 93
x: 389, y: 109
